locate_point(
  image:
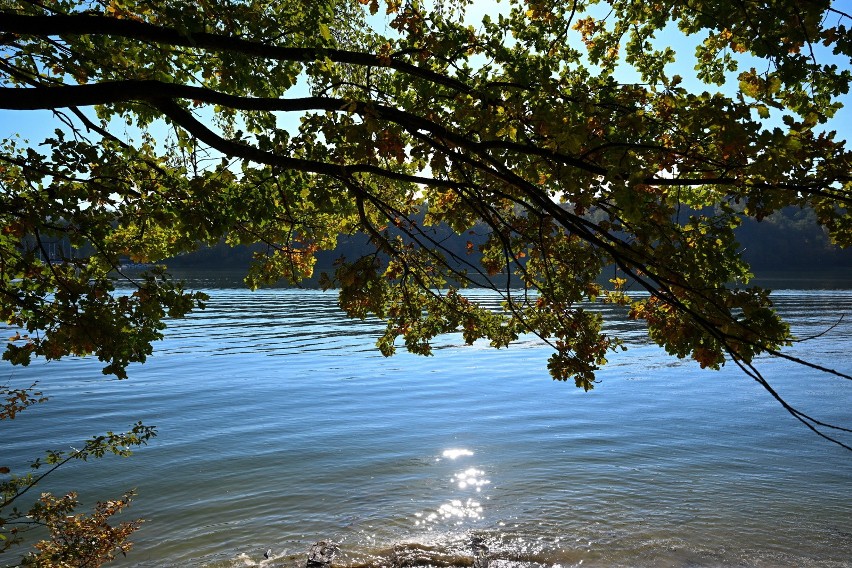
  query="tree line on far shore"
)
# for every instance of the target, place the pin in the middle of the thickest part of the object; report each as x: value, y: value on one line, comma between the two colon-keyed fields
x: 786, y: 241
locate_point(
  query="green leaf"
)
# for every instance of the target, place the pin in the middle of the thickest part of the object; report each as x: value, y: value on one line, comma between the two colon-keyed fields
x: 324, y: 32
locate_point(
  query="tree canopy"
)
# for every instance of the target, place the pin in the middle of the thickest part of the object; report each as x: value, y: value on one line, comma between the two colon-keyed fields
x: 568, y: 139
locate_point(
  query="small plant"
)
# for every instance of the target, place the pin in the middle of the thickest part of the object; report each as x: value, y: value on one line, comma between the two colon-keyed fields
x: 75, y: 540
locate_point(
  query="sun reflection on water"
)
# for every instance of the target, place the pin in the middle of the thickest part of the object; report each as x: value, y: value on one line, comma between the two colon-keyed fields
x: 454, y: 453
x: 471, y: 477
x: 456, y: 509
x: 459, y: 509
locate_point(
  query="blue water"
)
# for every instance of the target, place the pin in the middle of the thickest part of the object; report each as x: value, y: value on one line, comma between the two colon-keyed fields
x: 280, y: 425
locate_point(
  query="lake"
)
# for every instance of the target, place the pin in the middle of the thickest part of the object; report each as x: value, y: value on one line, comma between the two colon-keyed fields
x: 280, y: 425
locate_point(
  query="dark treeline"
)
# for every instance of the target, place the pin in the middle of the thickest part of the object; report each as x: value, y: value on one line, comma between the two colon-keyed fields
x: 789, y: 240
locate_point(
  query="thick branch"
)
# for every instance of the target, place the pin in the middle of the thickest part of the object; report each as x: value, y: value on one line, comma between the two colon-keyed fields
x: 185, y: 120
x: 111, y: 92
x: 86, y: 24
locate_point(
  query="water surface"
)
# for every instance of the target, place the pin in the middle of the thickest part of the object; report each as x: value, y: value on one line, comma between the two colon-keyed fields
x: 280, y: 425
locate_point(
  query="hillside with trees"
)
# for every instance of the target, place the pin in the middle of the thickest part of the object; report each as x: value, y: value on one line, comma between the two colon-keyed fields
x: 789, y: 242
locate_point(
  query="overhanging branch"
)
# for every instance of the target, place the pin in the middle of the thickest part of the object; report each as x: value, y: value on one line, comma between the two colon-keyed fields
x: 90, y: 24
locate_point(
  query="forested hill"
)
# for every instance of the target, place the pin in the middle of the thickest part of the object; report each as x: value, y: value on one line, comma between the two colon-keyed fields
x: 788, y: 241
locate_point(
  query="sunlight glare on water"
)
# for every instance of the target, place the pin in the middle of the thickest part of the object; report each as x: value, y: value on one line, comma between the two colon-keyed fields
x: 471, y: 477
x: 456, y: 453
x: 280, y: 425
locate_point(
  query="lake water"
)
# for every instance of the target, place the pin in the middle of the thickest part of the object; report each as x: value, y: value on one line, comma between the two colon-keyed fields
x: 281, y: 425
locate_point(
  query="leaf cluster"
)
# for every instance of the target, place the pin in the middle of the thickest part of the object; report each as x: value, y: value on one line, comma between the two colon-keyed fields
x: 73, y: 539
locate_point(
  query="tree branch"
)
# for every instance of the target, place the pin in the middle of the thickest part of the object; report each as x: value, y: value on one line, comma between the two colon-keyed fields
x: 89, y: 24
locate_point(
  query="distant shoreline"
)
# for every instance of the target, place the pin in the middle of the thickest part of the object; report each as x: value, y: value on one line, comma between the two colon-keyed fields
x: 794, y: 279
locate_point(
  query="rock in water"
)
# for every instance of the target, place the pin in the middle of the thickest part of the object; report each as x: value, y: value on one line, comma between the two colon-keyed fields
x: 321, y: 554
x: 480, y: 552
